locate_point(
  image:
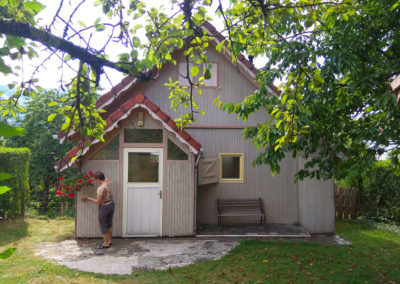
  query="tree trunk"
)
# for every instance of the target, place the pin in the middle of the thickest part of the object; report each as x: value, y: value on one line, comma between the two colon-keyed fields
x: 45, y: 201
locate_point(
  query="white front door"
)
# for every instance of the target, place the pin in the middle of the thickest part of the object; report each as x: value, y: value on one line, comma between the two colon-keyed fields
x: 143, y: 172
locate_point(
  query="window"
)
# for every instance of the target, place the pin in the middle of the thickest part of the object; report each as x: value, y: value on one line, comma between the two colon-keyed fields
x: 231, y: 167
x: 176, y: 153
x: 109, y: 152
x: 183, y: 72
x: 143, y: 135
x: 143, y: 167
x: 213, y: 81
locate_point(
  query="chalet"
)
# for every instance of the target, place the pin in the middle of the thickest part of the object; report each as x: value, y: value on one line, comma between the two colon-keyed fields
x: 167, y: 180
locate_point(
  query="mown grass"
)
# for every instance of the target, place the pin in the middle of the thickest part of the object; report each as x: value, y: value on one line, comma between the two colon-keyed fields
x: 373, y: 257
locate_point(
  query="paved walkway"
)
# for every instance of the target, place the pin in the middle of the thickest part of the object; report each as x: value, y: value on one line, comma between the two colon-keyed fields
x: 126, y: 255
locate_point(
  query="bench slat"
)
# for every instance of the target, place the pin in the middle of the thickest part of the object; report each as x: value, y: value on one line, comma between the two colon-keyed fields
x: 251, y: 207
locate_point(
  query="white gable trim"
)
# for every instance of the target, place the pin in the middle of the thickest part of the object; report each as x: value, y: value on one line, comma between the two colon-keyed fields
x: 124, y: 116
x: 106, y: 103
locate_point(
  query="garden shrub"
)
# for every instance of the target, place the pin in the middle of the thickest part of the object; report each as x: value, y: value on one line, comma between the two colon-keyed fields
x: 379, y: 195
x: 14, y: 161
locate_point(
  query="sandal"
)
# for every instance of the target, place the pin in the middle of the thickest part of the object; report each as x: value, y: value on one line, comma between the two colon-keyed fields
x: 103, y: 246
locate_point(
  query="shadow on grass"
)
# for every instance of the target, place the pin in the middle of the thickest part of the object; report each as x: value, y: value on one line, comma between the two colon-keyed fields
x: 12, y: 230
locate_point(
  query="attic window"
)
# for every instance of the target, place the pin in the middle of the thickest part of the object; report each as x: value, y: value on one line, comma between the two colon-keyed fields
x: 213, y: 81
x: 231, y: 167
x: 109, y: 151
x: 143, y: 135
x: 182, y: 73
x: 176, y: 153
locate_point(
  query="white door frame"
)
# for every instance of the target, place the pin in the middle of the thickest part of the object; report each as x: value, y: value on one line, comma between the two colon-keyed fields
x: 125, y: 187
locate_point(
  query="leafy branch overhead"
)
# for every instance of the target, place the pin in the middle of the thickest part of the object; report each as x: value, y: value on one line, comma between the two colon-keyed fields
x: 333, y: 60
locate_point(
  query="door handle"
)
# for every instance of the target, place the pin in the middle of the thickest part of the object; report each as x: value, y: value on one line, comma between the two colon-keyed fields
x: 160, y: 193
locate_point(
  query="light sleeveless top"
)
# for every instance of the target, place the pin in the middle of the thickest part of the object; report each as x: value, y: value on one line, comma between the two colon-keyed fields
x: 106, y: 190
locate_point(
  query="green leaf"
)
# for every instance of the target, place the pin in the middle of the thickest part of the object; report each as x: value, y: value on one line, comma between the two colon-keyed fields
x: 168, y: 56
x: 277, y: 147
x: 134, y: 53
x: 53, y: 103
x: 194, y: 71
x: 283, y: 99
x: 395, y: 6
x: 7, y: 253
x: 148, y: 63
x: 51, y: 117
x: 4, y: 68
x: 136, y: 41
x: 82, y: 24
x: 9, y: 131
x: 35, y: 6
x: 4, y: 176
x: 274, y: 111
x: 100, y: 27
x: 317, y: 78
x: 4, y: 189
x: 279, y: 123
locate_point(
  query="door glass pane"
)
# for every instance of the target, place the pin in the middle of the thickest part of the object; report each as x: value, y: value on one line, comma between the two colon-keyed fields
x: 175, y: 153
x: 143, y: 167
x: 230, y: 167
x: 143, y: 135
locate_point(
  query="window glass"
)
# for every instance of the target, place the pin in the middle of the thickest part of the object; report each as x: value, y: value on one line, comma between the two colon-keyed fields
x: 182, y: 72
x: 143, y: 135
x: 143, y: 167
x: 176, y: 153
x: 213, y: 81
x: 109, y: 152
x: 230, y: 167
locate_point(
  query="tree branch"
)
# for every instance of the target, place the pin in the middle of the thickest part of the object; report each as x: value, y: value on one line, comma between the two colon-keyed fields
x: 13, y: 28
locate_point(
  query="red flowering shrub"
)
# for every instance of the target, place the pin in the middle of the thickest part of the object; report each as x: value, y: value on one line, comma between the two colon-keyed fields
x: 75, y: 184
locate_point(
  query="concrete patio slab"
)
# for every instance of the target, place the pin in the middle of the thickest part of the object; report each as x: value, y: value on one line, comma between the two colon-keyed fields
x: 126, y: 255
x: 130, y: 254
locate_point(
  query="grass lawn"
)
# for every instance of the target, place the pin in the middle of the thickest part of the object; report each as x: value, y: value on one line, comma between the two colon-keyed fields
x: 374, y: 257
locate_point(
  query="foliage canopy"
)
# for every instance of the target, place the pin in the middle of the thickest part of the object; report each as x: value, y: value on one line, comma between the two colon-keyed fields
x: 335, y: 60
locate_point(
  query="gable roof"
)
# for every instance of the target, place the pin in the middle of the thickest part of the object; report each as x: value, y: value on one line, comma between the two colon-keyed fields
x: 110, y: 99
x: 128, y: 82
x: 137, y: 101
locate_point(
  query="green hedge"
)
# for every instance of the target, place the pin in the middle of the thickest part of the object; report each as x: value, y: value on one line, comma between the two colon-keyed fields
x: 14, y: 161
x: 379, y: 195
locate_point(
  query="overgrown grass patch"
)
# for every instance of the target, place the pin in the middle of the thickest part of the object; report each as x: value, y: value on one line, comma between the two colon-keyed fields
x: 373, y: 257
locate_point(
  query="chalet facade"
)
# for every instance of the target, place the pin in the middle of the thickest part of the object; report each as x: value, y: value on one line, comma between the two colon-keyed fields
x: 167, y: 180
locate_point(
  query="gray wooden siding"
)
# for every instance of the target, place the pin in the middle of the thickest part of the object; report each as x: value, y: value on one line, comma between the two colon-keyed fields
x: 178, y: 219
x: 279, y: 193
x: 233, y: 86
x: 316, y: 204
x: 87, y: 224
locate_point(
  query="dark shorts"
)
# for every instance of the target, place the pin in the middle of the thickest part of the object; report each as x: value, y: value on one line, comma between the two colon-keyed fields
x: 106, y: 213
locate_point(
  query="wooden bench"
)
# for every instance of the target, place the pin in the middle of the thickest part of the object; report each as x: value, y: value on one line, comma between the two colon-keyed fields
x: 240, y: 207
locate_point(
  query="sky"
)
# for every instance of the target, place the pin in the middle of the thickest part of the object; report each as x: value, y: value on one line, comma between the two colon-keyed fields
x: 50, y: 74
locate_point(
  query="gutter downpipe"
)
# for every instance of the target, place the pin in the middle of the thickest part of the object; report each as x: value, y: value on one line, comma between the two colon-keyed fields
x: 195, y: 190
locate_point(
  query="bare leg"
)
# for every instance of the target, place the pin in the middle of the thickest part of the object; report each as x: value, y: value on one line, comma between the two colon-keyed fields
x: 109, y: 235
x: 105, y: 239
